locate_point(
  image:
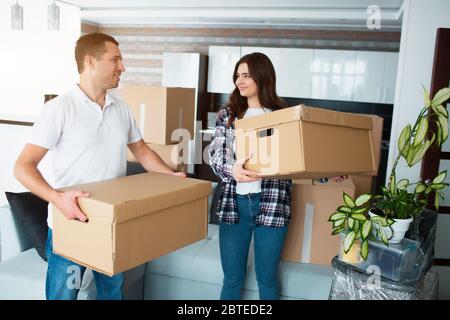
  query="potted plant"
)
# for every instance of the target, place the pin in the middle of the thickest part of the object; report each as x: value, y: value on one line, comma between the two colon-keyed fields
x: 386, y: 217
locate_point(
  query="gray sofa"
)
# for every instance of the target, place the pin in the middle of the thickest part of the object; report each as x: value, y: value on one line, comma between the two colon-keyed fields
x: 193, y: 272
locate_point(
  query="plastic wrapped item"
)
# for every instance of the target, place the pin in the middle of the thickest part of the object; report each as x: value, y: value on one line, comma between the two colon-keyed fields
x: 397, y: 261
x: 350, y: 283
x: 406, y: 261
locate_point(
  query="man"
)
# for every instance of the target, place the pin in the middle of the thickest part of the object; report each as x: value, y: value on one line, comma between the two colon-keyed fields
x: 87, y: 130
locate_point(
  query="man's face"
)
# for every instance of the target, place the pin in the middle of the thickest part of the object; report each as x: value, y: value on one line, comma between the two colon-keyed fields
x: 108, y: 67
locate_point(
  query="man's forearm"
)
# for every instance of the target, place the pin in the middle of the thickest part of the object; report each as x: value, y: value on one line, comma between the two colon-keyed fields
x: 32, y: 179
x: 152, y: 162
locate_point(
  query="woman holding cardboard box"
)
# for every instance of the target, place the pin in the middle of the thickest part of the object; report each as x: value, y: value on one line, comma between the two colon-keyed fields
x: 249, y: 205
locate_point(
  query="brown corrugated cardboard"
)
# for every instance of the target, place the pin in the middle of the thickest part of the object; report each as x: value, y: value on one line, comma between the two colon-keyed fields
x: 377, y: 135
x: 306, y: 142
x: 159, y: 111
x: 363, y: 183
x: 309, y: 238
x: 173, y: 155
x: 132, y: 220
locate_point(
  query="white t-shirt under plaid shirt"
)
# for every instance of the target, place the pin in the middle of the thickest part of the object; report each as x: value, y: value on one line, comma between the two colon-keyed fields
x: 87, y: 143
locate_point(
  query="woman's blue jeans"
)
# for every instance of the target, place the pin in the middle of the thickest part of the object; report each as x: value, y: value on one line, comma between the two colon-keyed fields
x: 64, y: 278
x: 234, y: 246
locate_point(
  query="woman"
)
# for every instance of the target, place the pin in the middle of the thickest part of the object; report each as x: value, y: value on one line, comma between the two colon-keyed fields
x: 249, y: 205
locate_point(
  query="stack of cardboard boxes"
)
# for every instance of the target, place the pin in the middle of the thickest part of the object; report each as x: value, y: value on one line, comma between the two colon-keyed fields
x: 304, y: 143
x: 309, y: 238
x: 165, y: 117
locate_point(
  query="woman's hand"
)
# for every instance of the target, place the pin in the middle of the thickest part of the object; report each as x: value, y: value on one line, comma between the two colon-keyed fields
x: 339, y: 178
x: 242, y: 175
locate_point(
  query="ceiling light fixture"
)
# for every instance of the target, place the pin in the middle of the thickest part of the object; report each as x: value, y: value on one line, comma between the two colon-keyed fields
x: 16, y: 16
x: 53, y: 16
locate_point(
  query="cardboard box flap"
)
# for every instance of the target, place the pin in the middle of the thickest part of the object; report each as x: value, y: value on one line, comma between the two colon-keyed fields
x: 305, y: 113
x: 337, y: 118
x: 133, y: 196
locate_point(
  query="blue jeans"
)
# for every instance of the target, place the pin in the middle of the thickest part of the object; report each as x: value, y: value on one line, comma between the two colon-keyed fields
x: 64, y: 278
x: 234, y: 242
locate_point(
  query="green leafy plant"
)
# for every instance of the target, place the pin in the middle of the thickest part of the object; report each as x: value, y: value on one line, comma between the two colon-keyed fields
x: 402, y: 199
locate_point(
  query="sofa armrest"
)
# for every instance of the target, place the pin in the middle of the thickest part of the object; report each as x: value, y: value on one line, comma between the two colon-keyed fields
x: 11, y: 241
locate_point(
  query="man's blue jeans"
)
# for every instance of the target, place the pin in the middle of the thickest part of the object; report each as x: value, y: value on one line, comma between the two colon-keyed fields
x: 234, y: 242
x: 64, y: 278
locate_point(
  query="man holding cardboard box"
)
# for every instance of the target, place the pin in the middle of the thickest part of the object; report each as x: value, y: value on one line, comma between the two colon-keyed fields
x: 88, y: 131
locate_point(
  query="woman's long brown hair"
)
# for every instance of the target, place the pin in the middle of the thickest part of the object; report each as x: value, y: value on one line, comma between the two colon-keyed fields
x: 263, y: 73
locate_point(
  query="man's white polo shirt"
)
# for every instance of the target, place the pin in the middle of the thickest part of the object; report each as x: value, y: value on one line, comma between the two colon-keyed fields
x: 87, y: 143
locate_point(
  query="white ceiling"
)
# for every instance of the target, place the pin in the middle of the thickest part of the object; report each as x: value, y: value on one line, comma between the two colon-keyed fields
x: 337, y: 14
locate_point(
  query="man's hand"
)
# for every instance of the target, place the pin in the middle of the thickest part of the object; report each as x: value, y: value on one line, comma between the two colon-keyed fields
x: 242, y: 175
x: 339, y: 178
x: 66, y: 202
x: 179, y: 174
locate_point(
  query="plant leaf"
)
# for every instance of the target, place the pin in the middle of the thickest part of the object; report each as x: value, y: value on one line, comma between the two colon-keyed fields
x: 361, y: 210
x: 348, y: 241
x: 351, y: 223
x: 337, y: 216
x: 336, y: 231
x: 364, y: 249
x: 420, y: 188
x: 438, y: 186
x: 362, y: 199
x: 421, y: 131
x: 436, y: 202
x: 441, y: 96
x: 440, y: 109
x: 366, y: 228
x: 410, y: 155
x: 337, y: 223
x: 426, y: 97
x: 418, y: 155
x: 348, y: 201
x: 383, y: 236
x: 344, y: 209
x: 444, y: 127
x: 440, y: 177
x: 403, y: 184
x: 393, y: 184
x: 403, y: 140
x: 359, y: 217
x: 439, y: 133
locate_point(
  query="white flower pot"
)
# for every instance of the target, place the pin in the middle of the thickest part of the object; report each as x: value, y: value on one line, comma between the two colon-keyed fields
x: 399, y: 227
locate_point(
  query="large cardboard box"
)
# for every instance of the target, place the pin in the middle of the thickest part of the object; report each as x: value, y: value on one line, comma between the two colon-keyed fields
x: 175, y: 156
x: 377, y: 136
x: 132, y: 220
x: 159, y: 111
x: 363, y: 183
x: 303, y: 142
x: 309, y: 238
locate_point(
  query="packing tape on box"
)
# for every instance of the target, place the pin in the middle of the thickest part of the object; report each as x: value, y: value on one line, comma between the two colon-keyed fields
x: 307, y: 232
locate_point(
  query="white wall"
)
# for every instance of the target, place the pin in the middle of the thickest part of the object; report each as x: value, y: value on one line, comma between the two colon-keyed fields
x: 35, y: 61
x: 420, y: 22
x: 17, y: 136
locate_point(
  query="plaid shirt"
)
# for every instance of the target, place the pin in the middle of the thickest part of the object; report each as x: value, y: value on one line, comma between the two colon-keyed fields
x: 275, y: 202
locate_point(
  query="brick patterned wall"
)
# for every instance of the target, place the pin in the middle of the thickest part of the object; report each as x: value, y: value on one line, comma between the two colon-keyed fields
x: 142, y: 47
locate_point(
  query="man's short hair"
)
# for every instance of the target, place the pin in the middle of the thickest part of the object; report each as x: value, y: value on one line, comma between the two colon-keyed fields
x: 92, y: 44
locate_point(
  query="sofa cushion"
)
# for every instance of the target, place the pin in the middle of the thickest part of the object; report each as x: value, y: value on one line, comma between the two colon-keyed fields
x: 30, y: 213
x: 23, y: 277
x: 298, y: 280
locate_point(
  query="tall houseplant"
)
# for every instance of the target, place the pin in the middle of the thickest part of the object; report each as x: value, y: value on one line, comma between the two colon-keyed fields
x: 375, y: 217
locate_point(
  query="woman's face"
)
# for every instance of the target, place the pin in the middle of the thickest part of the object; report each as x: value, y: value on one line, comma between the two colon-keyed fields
x: 246, y: 85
